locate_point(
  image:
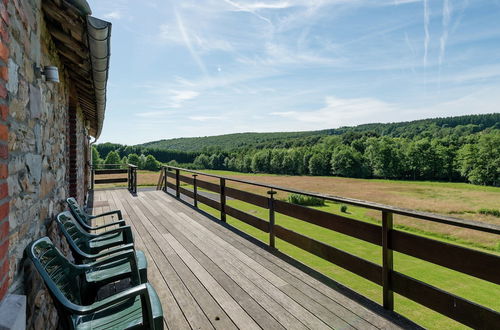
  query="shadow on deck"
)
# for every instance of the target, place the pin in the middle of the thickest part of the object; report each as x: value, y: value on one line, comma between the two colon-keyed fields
x: 210, y: 275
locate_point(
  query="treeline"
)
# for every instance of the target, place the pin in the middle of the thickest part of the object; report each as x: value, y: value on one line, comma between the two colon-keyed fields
x: 161, y: 155
x: 112, y: 160
x: 475, y: 158
x: 465, y: 148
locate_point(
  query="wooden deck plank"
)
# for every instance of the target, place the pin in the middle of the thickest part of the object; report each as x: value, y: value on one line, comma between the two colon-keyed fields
x: 208, y: 276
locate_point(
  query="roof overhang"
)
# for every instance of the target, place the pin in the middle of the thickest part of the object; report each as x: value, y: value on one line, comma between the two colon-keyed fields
x: 83, y: 43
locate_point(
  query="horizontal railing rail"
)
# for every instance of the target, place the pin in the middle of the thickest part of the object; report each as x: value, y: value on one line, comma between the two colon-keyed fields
x: 105, y: 170
x: 482, y: 265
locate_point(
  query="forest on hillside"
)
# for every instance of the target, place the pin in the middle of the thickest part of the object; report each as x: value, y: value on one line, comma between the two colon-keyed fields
x: 465, y: 148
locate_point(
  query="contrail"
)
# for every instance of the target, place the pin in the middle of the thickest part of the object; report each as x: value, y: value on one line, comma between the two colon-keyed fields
x: 187, y: 42
x: 248, y: 9
x: 426, y: 30
x: 444, y: 36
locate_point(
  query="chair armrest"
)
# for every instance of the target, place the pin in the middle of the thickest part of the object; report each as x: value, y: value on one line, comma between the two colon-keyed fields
x: 118, y: 212
x: 126, y: 255
x: 112, y: 251
x: 140, y: 290
x: 128, y: 238
x: 120, y: 223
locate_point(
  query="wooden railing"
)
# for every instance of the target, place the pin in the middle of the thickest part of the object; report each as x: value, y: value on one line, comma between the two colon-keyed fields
x: 476, y: 263
x: 132, y: 178
x: 109, y: 169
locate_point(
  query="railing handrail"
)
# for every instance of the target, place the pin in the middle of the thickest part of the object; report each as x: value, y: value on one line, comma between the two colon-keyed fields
x: 470, y: 224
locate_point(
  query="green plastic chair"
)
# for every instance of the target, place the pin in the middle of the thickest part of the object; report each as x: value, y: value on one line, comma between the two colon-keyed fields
x: 85, y: 219
x: 135, y: 308
x: 87, y: 248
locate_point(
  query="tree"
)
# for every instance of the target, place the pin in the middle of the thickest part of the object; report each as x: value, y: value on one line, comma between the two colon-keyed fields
x: 142, y: 161
x: 384, y: 157
x: 290, y: 164
x: 319, y: 164
x: 346, y: 161
x: 124, y: 160
x: 133, y: 159
x: 151, y: 164
x: 261, y: 161
x: 480, y: 163
x: 112, y: 158
x: 96, y: 158
x: 216, y: 161
x: 276, y: 162
x: 202, y: 161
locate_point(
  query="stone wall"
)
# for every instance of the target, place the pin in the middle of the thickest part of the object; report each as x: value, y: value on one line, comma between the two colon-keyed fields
x: 38, y: 151
x: 4, y: 109
x: 37, y: 139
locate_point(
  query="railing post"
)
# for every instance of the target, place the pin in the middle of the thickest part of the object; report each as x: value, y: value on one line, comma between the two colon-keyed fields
x: 177, y: 184
x: 223, y: 199
x: 135, y: 179
x: 165, y: 179
x: 195, y: 191
x: 271, y: 218
x: 92, y: 176
x: 129, y: 178
x: 387, y: 261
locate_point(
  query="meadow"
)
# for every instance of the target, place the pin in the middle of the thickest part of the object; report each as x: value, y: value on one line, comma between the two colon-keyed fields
x: 456, y: 199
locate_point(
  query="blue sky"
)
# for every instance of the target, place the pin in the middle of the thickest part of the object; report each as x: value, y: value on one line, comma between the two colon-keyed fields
x: 210, y: 67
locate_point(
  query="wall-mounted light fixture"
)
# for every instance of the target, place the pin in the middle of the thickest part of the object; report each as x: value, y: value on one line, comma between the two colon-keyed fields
x: 51, y: 73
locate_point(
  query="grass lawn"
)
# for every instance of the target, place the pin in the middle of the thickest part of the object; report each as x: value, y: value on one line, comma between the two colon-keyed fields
x: 456, y: 199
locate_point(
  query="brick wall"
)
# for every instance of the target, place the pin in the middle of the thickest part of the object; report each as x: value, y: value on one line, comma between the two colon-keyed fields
x: 4, y: 136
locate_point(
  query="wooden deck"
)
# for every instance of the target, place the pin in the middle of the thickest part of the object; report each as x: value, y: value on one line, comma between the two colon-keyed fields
x: 208, y: 276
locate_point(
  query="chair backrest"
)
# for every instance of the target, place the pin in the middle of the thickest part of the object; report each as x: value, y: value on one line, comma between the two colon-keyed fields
x: 61, y: 276
x: 76, y: 236
x: 77, y: 211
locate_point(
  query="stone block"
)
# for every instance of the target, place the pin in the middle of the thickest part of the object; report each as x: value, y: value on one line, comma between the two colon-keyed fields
x: 13, y: 312
x: 34, y: 165
x: 35, y: 102
x: 13, y: 82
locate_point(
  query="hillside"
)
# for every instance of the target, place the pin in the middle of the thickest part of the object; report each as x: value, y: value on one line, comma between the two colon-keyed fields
x: 435, y: 127
x: 227, y: 141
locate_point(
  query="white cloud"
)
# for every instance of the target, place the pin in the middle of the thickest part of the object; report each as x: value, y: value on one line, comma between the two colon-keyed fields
x: 180, y: 96
x: 342, y: 111
x: 475, y: 75
x: 339, y: 112
x: 205, y: 118
x: 161, y: 97
x: 115, y: 15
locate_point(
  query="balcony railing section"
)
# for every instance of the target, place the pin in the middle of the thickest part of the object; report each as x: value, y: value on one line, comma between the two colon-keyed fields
x: 473, y: 262
x: 114, y: 173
